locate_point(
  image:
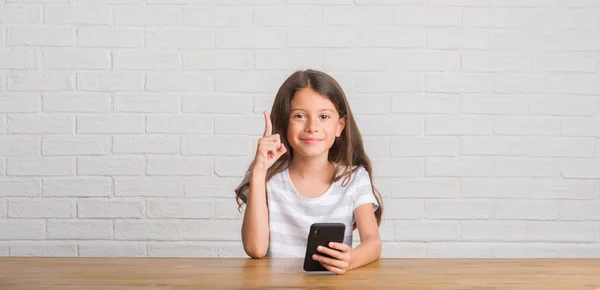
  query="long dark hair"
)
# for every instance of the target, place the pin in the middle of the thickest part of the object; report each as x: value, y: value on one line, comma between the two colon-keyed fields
x: 348, y: 150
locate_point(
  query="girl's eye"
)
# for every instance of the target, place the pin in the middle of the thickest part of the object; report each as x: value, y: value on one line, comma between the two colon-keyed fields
x: 298, y: 116
x: 325, y: 116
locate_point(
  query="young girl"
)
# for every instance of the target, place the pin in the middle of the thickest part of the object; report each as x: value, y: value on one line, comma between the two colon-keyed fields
x: 310, y: 166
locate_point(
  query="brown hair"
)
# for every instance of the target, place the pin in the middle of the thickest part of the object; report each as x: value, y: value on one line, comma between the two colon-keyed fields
x: 347, y: 150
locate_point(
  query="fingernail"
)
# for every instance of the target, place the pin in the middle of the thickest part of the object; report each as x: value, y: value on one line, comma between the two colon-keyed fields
x: 319, y: 248
x: 331, y: 244
x: 314, y: 257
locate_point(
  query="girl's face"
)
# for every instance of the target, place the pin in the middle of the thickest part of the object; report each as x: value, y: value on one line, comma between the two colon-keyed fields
x: 314, y: 123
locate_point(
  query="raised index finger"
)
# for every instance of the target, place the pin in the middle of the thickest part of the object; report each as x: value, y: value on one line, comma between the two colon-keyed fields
x: 268, y: 126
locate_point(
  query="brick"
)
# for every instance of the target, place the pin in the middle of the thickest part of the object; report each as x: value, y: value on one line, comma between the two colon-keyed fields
x: 146, y: 60
x: 562, y: 105
x: 75, y: 145
x: 459, y: 83
x: 237, y: 125
x: 250, y: 38
x: 494, y: 104
x: 41, y: 208
x: 43, y: 249
x: 525, y: 167
x: 76, y: 102
x: 158, y: 230
x: 560, y: 147
x: 455, y: 38
x: 180, y: 208
x: 47, y: 80
x: 111, y: 123
x: 148, y: 186
x: 218, y: 15
x: 230, y: 250
x: 579, y: 84
x: 146, y: 16
x: 102, y: 208
x: 212, y: 186
x: 527, y: 40
x: 461, y: 125
x: 290, y: 15
x: 174, y: 165
x: 355, y: 60
x: 231, y: 166
x: 248, y: 81
x: 497, y: 145
x: 112, y: 249
x: 40, y: 124
x: 398, y: 167
x: 80, y: 14
x: 221, y: 59
x: 479, y: 61
x: 20, y: 186
x: 147, y: 102
x: 369, y: 104
x: 515, y: 18
x: 180, y: 2
x: 525, y: 210
x: 403, y: 250
x: 181, y: 250
x: 3, y: 208
x: 571, y: 210
x: 180, y: 81
x: 218, y: 103
x: 390, y: 125
x: 425, y: 103
x: 111, y: 165
x: 14, y: 145
x: 527, y: 126
x: 460, y: 250
x: 19, y: 102
x: 356, y: 15
x: 179, y: 124
x: 20, y: 14
x: 379, y: 82
x: 425, y: 187
x: 377, y: 146
x: 428, y: 17
x: 32, y: 166
x: 562, y: 189
x: 505, y: 188
x: 218, y: 145
x: 459, y: 167
x: 110, y: 37
x: 18, y: 57
x: 580, y: 168
x: 390, y: 37
x: 581, y: 127
x: 443, y: 209
x: 466, y: 3
x: 297, y: 59
x: 39, y: 36
x: 146, y: 144
x: 227, y: 209
x: 564, y: 62
x: 578, y: 41
x: 420, y: 231
x: 563, y: 19
x: 249, y: 2
x: 545, y: 250
x: 404, y: 209
x: 581, y: 3
x: 424, y: 146
x: 526, y: 3
x: 426, y: 60
x: 77, y: 187
x: 179, y: 38
x: 110, y: 81
x: 322, y: 2
x: 79, y: 229
x: 212, y: 230
x: 527, y: 231
x: 4, y: 249
x: 23, y: 229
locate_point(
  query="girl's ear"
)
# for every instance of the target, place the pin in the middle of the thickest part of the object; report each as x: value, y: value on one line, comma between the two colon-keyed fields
x: 341, y: 125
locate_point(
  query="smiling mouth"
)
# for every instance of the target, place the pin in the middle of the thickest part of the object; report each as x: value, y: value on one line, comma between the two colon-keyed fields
x: 311, y: 140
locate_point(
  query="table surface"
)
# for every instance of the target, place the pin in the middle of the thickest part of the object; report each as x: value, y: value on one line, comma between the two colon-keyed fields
x: 229, y: 273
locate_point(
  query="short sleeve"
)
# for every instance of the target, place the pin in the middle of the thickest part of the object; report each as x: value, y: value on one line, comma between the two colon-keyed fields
x: 363, y: 192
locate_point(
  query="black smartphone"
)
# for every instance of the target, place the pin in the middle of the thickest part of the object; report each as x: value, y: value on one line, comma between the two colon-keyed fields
x: 321, y: 234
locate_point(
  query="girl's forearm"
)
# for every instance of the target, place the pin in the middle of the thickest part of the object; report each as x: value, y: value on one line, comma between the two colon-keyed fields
x: 367, y: 252
x: 255, y: 226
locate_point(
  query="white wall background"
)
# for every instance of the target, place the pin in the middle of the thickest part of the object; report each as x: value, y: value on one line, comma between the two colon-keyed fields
x: 126, y: 124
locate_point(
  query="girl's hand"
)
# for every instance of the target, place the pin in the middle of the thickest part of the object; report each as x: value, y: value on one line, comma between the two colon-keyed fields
x: 269, y: 148
x: 341, y: 253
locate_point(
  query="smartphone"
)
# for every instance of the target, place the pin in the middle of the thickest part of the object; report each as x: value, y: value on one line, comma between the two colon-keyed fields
x: 321, y: 234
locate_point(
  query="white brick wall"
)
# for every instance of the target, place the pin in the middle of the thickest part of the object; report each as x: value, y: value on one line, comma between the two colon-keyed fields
x: 126, y: 125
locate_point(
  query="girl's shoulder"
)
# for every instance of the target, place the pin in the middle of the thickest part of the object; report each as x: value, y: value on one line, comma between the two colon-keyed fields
x: 357, y: 174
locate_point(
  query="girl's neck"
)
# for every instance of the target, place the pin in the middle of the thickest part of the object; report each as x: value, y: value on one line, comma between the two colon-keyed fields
x: 311, y: 167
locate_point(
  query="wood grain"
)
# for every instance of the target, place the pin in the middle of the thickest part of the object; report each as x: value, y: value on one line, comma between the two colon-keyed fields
x: 212, y: 273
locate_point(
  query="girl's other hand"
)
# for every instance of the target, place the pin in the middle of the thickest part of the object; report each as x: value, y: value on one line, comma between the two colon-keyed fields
x: 269, y: 148
x: 340, y: 261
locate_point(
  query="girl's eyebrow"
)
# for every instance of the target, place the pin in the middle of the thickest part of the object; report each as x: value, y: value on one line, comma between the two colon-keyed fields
x: 322, y: 110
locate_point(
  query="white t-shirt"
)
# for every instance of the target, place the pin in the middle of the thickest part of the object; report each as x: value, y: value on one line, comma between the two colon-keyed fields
x: 291, y: 215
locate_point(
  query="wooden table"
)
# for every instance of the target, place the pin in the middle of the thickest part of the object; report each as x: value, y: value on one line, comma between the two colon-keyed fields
x: 163, y: 273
